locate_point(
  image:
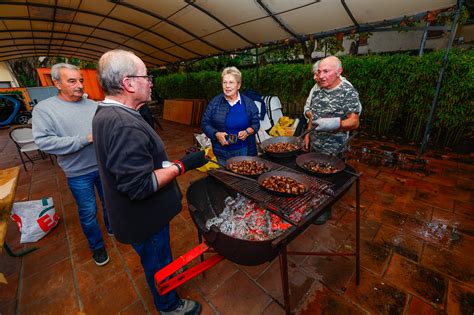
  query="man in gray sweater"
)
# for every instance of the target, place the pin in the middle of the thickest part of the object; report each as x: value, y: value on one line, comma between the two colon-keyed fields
x: 62, y: 125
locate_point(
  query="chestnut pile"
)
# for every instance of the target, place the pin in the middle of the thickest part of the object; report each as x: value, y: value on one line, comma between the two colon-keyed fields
x: 280, y: 147
x: 283, y: 184
x: 320, y: 167
x: 247, y: 167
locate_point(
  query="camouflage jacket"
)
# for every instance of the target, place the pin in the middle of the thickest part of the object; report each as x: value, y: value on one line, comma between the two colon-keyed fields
x: 338, y: 102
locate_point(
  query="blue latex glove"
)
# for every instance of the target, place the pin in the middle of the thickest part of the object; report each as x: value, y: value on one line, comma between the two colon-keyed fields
x: 328, y: 124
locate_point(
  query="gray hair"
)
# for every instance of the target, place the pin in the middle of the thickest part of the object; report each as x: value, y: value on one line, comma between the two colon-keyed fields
x: 113, y: 66
x: 55, y: 75
x: 234, y: 72
x: 315, y: 67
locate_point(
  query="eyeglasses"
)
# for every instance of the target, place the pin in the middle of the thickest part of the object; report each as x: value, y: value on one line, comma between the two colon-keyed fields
x: 149, y: 76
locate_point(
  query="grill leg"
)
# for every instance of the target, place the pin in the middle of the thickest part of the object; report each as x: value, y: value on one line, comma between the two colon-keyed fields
x: 358, y: 230
x: 284, y: 279
x: 201, y: 257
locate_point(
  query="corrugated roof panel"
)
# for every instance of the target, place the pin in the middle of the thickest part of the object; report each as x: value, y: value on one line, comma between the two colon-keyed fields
x: 18, y: 24
x: 265, y: 26
x: 133, y: 16
x: 88, y: 19
x: 8, y: 42
x: 9, y: 10
x: 164, y: 8
x: 172, y: 32
x: 113, y: 36
x: 233, y: 12
x: 226, y: 39
x: 104, y: 43
x: 42, y: 12
x: 181, y: 53
x: 102, y: 7
x: 154, y: 40
x: 196, y: 21
x: 120, y: 27
x: 139, y: 46
x: 201, y: 48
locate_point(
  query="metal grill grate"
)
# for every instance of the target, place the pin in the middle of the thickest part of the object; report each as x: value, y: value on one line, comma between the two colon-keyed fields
x: 283, y: 207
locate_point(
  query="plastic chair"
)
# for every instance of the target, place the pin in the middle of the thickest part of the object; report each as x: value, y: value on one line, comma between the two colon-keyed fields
x: 24, y: 142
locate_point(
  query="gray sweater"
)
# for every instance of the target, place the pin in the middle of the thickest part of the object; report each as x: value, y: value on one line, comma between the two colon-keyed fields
x: 61, y: 128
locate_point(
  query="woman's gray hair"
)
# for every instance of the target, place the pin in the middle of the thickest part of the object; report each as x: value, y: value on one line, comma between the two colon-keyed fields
x: 55, y: 75
x: 113, y: 66
x: 234, y: 72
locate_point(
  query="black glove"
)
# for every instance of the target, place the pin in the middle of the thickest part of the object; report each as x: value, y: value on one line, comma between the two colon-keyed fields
x: 191, y: 161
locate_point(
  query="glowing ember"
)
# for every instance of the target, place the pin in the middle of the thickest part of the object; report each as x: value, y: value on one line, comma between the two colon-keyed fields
x: 243, y: 219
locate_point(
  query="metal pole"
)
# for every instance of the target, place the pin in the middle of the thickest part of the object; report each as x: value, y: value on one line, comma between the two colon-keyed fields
x: 426, y: 136
x: 284, y: 279
x: 423, y: 39
x: 358, y: 230
x: 258, y: 66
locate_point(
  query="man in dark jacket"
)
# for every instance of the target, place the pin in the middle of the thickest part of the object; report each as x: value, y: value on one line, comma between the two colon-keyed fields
x: 141, y: 194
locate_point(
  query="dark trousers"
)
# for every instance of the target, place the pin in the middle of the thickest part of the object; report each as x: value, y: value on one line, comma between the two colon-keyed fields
x: 155, y: 253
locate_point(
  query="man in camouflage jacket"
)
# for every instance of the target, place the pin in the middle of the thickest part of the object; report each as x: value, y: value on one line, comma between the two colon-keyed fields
x: 333, y: 105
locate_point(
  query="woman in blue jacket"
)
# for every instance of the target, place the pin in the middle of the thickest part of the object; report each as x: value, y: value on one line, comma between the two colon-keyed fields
x: 231, y: 119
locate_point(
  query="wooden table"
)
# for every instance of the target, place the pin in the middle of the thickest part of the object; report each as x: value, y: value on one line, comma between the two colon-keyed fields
x: 8, y: 183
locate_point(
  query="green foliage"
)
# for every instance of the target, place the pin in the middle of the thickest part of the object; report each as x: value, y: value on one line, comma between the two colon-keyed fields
x: 396, y: 91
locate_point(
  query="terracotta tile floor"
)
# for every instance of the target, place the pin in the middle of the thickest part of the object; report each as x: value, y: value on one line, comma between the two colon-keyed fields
x: 417, y: 240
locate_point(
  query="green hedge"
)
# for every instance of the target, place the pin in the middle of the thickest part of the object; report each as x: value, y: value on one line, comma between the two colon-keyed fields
x: 396, y: 91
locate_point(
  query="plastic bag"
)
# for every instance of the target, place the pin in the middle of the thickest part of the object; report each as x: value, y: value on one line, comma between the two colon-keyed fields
x: 209, y: 165
x: 34, y: 218
x: 284, y: 127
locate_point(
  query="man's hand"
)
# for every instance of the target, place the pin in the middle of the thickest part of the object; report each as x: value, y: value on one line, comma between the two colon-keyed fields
x: 221, y: 138
x: 328, y: 124
x: 89, y: 138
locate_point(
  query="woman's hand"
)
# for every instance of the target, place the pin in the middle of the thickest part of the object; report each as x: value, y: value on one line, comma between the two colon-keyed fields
x: 242, y: 135
x: 221, y: 138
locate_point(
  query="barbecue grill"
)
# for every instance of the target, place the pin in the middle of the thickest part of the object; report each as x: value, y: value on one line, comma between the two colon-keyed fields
x: 206, y: 200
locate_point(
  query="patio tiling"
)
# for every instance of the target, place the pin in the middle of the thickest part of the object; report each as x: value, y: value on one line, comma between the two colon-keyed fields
x: 417, y: 240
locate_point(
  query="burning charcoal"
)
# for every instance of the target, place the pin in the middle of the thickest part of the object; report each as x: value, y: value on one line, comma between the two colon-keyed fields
x: 243, y: 219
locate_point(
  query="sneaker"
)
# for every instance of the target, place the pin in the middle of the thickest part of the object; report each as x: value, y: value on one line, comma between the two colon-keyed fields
x: 109, y: 231
x: 185, y: 307
x: 100, y: 256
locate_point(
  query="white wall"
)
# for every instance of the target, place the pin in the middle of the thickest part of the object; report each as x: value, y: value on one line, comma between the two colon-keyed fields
x: 391, y: 42
x: 6, y: 75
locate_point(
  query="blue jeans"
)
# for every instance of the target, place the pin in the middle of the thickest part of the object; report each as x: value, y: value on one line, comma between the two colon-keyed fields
x: 222, y: 158
x: 155, y: 253
x: 82, y: 188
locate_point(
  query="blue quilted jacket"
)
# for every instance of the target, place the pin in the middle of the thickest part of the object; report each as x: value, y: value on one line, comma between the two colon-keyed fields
x: 214, y: 119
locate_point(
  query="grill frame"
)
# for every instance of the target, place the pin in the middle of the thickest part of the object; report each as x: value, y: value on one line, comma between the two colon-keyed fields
x: 315, y: 197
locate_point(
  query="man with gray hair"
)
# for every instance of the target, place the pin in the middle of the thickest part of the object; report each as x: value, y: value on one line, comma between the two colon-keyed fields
x: 140, y: 188
x: 333, y: 106
x: 62, y: 125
